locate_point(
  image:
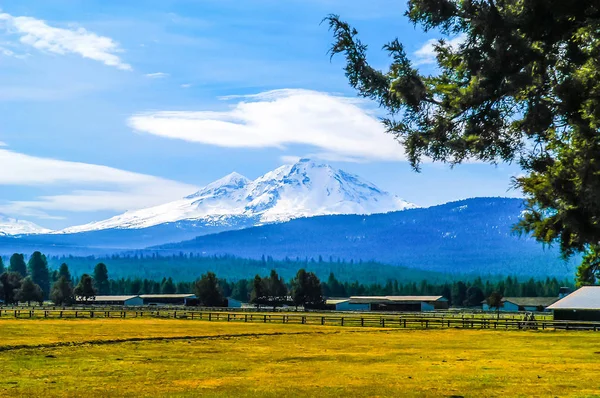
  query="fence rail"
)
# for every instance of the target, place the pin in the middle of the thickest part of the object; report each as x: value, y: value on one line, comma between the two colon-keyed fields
x: 380, y: 321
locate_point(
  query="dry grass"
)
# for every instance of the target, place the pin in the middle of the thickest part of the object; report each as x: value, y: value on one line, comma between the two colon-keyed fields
x: 275, y: 361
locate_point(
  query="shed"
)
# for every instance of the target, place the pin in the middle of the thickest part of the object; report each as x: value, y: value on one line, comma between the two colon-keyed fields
x: 114, y: 300
x: 581, y: 305
x: 167, y: 299
x: 233, y: 303
x: 516, y: 304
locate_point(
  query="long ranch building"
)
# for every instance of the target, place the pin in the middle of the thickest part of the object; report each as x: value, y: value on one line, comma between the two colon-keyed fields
x: 389, y: 303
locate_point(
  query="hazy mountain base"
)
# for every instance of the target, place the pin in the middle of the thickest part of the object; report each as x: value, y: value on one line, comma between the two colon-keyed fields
x: 473, y: 236
x: 188, y: 268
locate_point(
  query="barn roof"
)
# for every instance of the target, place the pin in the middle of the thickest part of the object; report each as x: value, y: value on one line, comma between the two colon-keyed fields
x: 159, y: 296
x: 585, y: 298
x: 531, y: 301
x: 113, y: 298
x: 336, y: 301
x: 394, y: 299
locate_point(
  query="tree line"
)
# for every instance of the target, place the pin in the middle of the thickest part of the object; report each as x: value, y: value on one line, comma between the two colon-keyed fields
x: 34, y: 281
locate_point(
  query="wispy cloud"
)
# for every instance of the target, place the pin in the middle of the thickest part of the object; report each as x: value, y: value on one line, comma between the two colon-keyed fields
x: 82, y: 187
x: 38, y: 34
x: 338, y: 127
x: 157, y: 75
x: 187, y: 85
x: 427, y: 54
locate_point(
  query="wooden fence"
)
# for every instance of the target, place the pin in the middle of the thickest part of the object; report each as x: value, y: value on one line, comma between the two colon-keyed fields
x: 380, y: 321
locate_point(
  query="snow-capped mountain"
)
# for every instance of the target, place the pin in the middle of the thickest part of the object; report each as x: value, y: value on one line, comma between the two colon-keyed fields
x: 12, y: 226
x: 303, y: 189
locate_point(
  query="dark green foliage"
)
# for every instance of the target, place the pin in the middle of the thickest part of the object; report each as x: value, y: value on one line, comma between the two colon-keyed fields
x: 209, y: 292
x: 62, y: 292
x: 277, y: 293
x: 522, y: 87
x: 2, y: 269
x: 64, y: 272
x: 475, y: 297
x: 259, y: 294
x: 18, y: 265
x: 167, y: 286
x: 85, y: 289
x: 307, y: 290
x: 29, y: 291
x: 39, y: 272
x: 101, y: 279
x: 11, y: 283
x: 495, y: 301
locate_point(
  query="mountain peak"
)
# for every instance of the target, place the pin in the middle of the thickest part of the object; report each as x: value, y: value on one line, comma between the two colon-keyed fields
x: 14, y: 226
x: 302, y: 189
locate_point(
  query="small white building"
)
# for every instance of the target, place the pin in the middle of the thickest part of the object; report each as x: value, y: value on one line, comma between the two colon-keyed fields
x: 233, y: 303
x: 516, y: 304
x: 114, y: 300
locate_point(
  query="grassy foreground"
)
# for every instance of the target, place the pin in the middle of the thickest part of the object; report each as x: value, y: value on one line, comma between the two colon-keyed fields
x: 193, y: 358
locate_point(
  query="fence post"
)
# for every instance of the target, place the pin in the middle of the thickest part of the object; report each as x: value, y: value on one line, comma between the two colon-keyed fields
x: 228, y: 317
x: 322, y: 320
x: 209, y: 316
x: 362, y: 321
x: 245, y: 317
x: 265, y: 319
x: 342, y: 321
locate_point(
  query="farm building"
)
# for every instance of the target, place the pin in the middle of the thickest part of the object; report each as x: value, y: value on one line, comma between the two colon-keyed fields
x: 389, y: 303
x: 233, y: 303
x: 516, y: 304
x: 114, y: 300
x: 168, y: 299
x: 581, y: 305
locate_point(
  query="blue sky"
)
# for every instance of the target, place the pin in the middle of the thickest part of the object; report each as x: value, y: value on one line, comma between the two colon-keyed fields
x: 109, y: 105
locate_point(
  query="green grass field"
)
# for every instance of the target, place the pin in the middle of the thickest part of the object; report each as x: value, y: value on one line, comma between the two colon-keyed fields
x: 97, y: 357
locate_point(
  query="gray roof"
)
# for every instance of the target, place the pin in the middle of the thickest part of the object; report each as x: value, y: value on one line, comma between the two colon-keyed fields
x: 531, y: 301
x: 394, y: 299
x: 336, y: 301
x: 113, y: 298
x: 174, y: 296
x: 585, y: 298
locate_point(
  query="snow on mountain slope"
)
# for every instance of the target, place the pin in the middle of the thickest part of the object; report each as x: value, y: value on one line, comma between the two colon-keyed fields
x: 303, y: 189
x: 12, y: 226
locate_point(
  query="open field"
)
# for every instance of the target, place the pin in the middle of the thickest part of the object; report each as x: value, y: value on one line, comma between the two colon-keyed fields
x: 237, y: 359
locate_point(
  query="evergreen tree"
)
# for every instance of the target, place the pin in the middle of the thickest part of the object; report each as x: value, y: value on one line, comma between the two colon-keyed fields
x: 277, y: 293
x: 101, y: 279
x: 241, y: 291
x: 2, y: 269
x: 11, y: 283
x: 29, y: 291
x: 62, y: 291
x: 168, y: 287
x: 39, y: 272
x: 307, y: 290
x: 17, y: 264
x: 475, y: 296
x: 520, y: 87
x: 459, y: 293
x: 258, y: 295
x: 64, y: 271
x: 209, y: 292
x: 85, y: 290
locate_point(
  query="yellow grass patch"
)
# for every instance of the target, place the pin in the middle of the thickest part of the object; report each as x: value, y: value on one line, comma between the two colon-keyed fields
x: 275, y: 361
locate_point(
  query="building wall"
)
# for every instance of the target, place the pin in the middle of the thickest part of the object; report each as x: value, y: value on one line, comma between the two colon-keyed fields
x: 427, y: 306
x: 577, y: 315
x: 346, y: 306
x: 507, y: 307
x: 233, y: 303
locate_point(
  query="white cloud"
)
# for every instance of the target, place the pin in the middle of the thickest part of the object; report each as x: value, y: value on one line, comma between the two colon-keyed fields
x: 336, y: 126
x: 2, y: 143
x: 157, y: 75
x: 83, y: 187
x: 187, y: 85
x: 427, y: 55
x: 38, y: 34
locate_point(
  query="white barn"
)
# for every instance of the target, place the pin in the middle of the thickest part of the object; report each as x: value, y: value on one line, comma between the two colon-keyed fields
x: 114, y: 300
